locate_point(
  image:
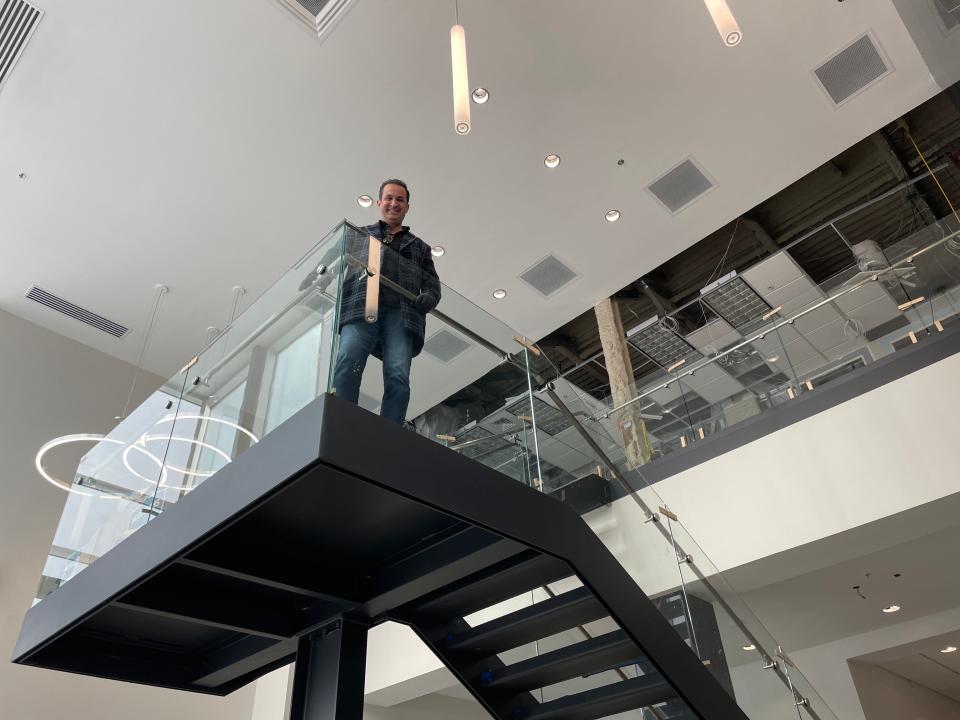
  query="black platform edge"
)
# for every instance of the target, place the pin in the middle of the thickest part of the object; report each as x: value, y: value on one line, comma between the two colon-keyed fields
x: 333, y: 433
x: 279, y: 458
x: 859, y: 382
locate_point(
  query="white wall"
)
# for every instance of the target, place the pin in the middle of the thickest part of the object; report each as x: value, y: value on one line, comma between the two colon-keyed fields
x: 51, y: 386
x: 876, y: 455
x: 887, y: 696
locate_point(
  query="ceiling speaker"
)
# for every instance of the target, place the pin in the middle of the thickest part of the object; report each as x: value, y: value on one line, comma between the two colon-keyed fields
x: 680, y: 186
x: 852, y: 70
x: 547, y: 276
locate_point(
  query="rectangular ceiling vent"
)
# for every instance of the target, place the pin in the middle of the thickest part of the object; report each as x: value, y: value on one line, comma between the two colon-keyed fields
x: 445, y: 346
x: 18, y: 20
x: 852, y: 70
x: 76, y: 312
x: 949, y: 12
x: 680, y: 186
x: 548, y: 275
x: 320, y: 16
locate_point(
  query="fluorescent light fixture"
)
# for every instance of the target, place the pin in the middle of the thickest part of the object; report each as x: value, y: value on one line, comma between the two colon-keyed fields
x: 461, y: 86
x: 790, y: 393
x: 437, y: 250
x: 911, y: 303
x: 809, y: 385
x: 938, y: 325
x: 683, y: 441
x: 480, y: 95
x: 499, y: 293
x: 949, y: 649
x: 677, y: 364
x: 364, y: 201
x: 773, y: 312
x: 725, y: 21
x: 612, y: 216
x: 913, y: 337
x: 551, y: 161
x: 700, y: 433
x: 891, y: 609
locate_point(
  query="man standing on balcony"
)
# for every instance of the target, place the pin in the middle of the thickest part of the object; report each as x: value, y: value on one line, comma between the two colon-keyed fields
x: 397, y: 335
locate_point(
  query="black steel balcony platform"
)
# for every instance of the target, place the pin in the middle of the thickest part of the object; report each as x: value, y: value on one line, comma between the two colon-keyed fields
x: 339, y: 518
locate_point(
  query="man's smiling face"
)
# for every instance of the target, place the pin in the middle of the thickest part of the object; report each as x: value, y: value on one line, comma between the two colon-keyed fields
x: 393, y: 204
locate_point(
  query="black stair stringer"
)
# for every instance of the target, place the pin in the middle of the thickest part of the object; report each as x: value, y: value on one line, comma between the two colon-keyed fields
x: 500, y: 703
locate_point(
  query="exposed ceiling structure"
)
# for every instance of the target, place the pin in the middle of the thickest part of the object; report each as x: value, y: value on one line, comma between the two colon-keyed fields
x: 137, y: 148
x: 819, y: 259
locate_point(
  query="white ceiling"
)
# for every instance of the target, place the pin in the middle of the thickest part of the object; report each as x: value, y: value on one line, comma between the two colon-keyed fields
x: 209, y: 145
x: 923, y: 663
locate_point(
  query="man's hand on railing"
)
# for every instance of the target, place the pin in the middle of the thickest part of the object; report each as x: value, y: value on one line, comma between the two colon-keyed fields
x: 425, y: 302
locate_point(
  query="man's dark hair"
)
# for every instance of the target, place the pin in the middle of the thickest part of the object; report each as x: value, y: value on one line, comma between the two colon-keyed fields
x: 394, y: 181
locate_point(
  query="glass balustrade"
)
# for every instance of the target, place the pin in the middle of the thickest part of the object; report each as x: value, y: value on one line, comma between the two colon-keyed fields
x: 482, y: 390
x: 762, y: 339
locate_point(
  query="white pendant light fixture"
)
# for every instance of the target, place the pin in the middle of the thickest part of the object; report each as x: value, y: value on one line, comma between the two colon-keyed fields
x: 461, y: 85
x: 725, y: 21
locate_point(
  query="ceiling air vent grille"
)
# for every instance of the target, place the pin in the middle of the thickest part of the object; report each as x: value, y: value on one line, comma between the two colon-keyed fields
x: 321, y: 16
x: 949, y: 12
x: 17, y: 22
x: 444, y: 346
x: 548, y: 275
x: 852, y: 70
x: 680, y: 186
x: 76, y: 312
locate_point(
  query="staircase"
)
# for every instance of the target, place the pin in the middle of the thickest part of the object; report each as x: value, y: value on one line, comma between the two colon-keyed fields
x: 299, y: 545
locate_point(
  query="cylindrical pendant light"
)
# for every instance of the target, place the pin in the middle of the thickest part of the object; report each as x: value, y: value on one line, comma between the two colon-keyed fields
x: 725, y: 21
x: 461, y: 86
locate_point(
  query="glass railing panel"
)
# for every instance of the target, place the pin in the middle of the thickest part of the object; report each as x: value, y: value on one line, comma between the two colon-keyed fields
x: 269, y: 363
x: 112, y: 492
x: 467, y: 384
x: 734, y: 644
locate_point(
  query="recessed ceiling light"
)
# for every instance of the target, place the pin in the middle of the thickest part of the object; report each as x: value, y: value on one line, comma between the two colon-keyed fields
x: 891, y: 608
x: 551, y: 161
x: 500, y: 294
x: 437, y: 250
x: 749, y: 647
x: 480, y: 95
x: 612, y: 215
x: 364, y: 201
x: 949, y: 649
x: 773, y: 358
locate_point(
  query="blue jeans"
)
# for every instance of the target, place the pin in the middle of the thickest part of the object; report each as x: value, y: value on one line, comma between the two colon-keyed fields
x: 357, y: 341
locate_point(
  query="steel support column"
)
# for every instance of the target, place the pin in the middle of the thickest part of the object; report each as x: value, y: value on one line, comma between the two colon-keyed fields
x: 328, y: 675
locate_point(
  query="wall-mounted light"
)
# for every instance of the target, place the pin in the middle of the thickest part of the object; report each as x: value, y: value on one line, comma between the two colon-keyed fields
x: 725, y: 21
x: 461, y: 85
